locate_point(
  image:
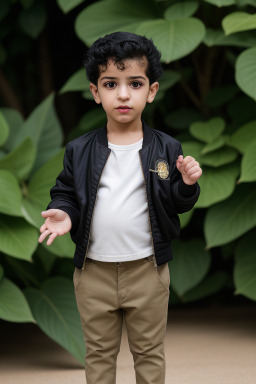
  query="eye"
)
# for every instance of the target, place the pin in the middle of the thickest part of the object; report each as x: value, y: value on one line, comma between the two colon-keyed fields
x: 109, y: 83
x: 137, y: 84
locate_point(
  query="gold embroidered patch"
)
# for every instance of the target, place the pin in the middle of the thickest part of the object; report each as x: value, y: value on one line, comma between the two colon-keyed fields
x: 161, y: 168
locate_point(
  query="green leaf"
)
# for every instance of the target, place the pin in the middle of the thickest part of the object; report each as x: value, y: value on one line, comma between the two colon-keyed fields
x: 217, y: 184
x: 10, y: 194
x: 55, y: 310
x: 174, y: 38
x: 190, y: 264
x: 218, y: 143
x: 243, y: 136
x: 21, y: 160
x: 105, y: 17
x: 192, y: 148
x: 219, y: 157
x: 208, y: 131
x: 43, y: 127
x: 221, y: 3
x: 14, y: 121
x: 186, y: 217
x: 210, y: 285
x: 168, y: 79
x: 13, y: 304
x: 238, y: 21
x: 67, y: 5
x: 240, y: 39
x: 248, y: 166
x: 230, y: 219
x: 221, y: 95
x: 181, y: 10
x: 245, y: 72
x: 245, y: 266
x: 241, y: 110
x: 17, y: 237
x: 181, y: 118
x: 77, y: 82
x: 33, y: 19
x: 4, y: 129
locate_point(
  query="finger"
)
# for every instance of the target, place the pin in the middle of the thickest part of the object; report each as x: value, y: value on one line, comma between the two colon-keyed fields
x: 192, y: 170
x: 43, y: 228
x: 51, y: 238
x: 191, y: 164
x: 187, y: 160
x: 196, y: 175
x: 43, y: 236
x: 48, y: 213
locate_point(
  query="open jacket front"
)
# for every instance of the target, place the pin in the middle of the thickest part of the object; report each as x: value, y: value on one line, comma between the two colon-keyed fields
x: 76, y: 188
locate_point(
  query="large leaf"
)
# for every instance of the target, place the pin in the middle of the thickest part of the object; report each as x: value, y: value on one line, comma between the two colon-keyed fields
x: 221, y: 95
x: 13, y: 304
x: 67, y: 5
x: 218, y: 143
x: 33, y: 19
x: 219, y: 157
x: 245, y: 74
x: 217, y: 184
x: 207, y: 131
x: 101, y: 18
x: 43, y: 127
x: 181, y: 118
x: 10, y: 194
x: 54, y: 308
x: 14, y: 120
x: 221, y: 3
x: 210, y: 285
x: 190, y: 264
x: 192, y: 148
x: 243, y: 136
x: 181, y: 10
x: 186, y: 217
x: 231, y: 218
x: 245, y: 266
x: 17, y: 237
x: 77, y: 82
x: 20, y: 160
x: 248, y: 170
x: 238, y: 21
x: 4, y: 129
x: 240, y: 39
x: 174, y: 38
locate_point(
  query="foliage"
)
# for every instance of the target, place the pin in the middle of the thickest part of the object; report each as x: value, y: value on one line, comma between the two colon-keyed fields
x: 206, y: 100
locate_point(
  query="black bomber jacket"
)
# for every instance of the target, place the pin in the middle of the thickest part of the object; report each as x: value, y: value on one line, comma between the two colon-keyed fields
x: 167, y: 195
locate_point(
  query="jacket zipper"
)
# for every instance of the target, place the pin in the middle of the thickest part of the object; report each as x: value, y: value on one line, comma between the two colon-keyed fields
x: 83, y: 267
x: 154, y: 257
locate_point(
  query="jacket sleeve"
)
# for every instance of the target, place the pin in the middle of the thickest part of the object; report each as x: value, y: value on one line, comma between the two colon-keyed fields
x: 63, y: 193
x: 185, y: 196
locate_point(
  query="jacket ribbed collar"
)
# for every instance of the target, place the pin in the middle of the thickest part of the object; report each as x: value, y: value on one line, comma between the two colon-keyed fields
x: 147, y: 135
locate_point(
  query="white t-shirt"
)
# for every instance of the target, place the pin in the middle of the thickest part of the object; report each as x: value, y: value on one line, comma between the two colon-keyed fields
x: 120, y: 223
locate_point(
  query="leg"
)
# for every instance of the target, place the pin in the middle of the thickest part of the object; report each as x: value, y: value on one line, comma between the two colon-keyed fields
x: 145, y: 312
x: 101, y: 319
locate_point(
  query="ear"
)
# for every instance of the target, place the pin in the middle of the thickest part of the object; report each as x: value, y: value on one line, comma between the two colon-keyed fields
x: 95, y: 93
x: 152, y: 91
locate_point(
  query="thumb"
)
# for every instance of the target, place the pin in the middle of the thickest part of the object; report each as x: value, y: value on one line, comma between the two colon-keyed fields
x: 48, y: 213
x: 179, y: 162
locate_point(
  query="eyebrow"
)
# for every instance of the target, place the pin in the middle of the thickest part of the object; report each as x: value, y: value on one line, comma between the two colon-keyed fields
x: 131, y: 77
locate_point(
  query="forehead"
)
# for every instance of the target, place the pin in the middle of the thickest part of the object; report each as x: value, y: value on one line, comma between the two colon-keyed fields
x: 126, y: 67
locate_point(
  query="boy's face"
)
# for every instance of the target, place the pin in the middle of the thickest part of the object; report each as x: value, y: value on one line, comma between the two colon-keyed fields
x: 129, y: 87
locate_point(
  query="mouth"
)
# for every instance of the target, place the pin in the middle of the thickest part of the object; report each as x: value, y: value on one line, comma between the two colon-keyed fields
x: 123, y: 109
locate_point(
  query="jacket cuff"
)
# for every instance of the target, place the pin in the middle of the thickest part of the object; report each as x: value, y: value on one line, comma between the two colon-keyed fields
x: 186, y: 190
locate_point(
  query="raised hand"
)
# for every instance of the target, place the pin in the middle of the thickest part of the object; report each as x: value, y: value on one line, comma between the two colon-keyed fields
x: 57, y: 223
x: 189, y: 169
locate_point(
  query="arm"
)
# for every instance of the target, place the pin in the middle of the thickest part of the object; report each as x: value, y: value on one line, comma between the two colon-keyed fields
x: 185, y: 190
x: 63, y: 193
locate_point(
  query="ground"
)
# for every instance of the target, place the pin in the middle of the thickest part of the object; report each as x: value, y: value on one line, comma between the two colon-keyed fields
x: 209, y: 345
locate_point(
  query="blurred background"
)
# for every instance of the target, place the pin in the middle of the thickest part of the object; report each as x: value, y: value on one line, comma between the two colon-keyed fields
x: 206, y: 100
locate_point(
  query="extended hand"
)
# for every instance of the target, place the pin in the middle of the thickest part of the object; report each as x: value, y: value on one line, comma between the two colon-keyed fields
x: 57, y: 223
x: 189, y: 169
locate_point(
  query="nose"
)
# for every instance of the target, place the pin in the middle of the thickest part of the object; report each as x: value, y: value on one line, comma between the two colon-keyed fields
x: 123, y: 92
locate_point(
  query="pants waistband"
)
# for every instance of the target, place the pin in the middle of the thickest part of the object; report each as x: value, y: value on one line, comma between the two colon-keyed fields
x: 148, y: 258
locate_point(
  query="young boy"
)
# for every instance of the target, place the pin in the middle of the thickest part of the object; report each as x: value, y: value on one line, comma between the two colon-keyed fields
x: 123, y: 239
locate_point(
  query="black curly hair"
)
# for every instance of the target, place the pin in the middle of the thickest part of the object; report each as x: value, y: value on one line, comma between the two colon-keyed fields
x: 119, y: 46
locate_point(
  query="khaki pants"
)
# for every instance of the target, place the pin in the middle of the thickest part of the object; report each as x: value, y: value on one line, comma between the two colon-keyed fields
x: 107, y: 292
